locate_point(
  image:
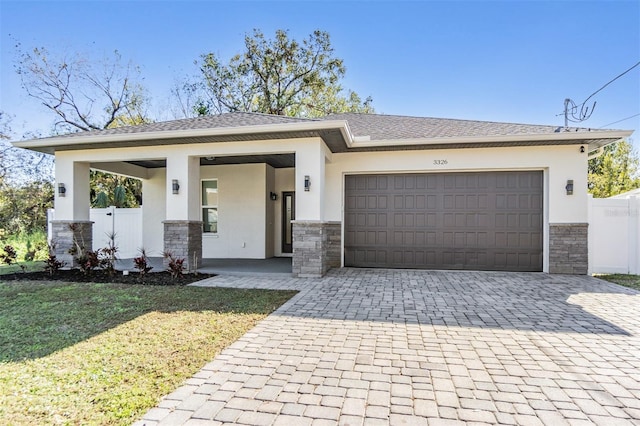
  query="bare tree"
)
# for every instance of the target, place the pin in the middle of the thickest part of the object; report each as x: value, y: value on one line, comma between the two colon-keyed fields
x: 84, y: 94
x: 20, y: 168
x: 5, y: 135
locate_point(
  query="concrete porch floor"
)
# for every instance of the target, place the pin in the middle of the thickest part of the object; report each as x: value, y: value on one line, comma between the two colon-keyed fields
x: 275, y: 266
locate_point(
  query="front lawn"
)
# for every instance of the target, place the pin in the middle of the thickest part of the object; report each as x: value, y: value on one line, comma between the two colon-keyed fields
x: 21, y: 267
x: 78, y: 353
x: 631, y: 281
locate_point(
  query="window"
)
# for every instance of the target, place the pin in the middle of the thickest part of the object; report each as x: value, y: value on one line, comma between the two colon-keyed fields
x: 210, y: 205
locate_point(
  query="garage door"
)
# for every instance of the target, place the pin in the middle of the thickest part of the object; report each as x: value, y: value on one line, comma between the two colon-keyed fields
x: 479, y: 221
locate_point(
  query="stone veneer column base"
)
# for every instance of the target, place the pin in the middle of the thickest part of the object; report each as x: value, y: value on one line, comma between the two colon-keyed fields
x: 316, y: 248
x: 64, y: 236
x: 183, y: 239
x: 333, y: 246
x: 568, y: 248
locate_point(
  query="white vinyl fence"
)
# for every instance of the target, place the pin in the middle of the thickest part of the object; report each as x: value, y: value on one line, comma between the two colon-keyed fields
x: 614, y: 235
x: 125, y: 223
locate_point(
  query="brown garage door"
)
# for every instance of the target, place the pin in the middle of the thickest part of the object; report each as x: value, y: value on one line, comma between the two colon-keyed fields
x: 478, y: 221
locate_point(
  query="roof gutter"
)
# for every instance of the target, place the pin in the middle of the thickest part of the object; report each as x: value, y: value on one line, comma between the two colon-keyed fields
x: 563, y: 136
x: 69, y: 141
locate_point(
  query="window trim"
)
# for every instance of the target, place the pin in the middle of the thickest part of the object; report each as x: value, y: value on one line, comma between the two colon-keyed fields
x: 203, y: 206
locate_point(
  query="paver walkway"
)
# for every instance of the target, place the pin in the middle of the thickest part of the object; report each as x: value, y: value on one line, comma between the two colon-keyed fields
x: 425, y: 347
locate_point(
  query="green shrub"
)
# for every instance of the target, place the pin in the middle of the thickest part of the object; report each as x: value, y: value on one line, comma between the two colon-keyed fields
x: 29, y: 247
x: 8, y: 255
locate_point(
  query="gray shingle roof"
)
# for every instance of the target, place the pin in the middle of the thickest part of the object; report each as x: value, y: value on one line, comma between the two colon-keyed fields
x: 386, y: 127
x: 233, y: 119
x: 376, y: 126
x: 372, y: 131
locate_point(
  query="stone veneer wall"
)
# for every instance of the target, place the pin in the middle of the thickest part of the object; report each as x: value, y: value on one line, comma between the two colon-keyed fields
x: 316, y: 248
x: 183, y: 239
x: 568, y: 248
x: 333, y: 246
x: 65, y: 234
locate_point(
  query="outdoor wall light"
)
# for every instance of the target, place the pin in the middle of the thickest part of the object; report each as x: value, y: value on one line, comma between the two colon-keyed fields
x: 307, y: 183
x: 569, y: 187
x: 273, y: 196
x: 175, y: 186
x: 61, y: 190
x: 582, y: 149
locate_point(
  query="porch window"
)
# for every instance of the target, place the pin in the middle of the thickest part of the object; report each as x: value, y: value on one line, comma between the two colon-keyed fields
x: 210, y: 205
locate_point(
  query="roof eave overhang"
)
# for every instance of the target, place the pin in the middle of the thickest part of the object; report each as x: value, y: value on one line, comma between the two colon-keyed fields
x: 595, y: 139
x: 50, y: 145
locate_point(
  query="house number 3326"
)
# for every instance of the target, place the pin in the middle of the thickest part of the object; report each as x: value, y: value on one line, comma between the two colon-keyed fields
x: 440, y: 162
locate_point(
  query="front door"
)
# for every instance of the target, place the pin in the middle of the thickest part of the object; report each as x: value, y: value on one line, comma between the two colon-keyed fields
x: 288, y: 215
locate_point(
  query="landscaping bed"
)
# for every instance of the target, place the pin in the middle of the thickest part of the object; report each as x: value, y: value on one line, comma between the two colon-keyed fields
x: 76, y: 275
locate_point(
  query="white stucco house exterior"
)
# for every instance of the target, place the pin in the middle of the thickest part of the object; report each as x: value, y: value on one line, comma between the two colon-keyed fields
x: 362, y: 190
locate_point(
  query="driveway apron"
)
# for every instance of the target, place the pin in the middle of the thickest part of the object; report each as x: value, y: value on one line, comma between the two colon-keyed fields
x: 366, y: 347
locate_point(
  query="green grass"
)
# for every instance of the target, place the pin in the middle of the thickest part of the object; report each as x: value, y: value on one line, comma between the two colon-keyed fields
x: 74, y: 353
x: 631, y: 281
x: 36, y: 240
x: 34, y: 266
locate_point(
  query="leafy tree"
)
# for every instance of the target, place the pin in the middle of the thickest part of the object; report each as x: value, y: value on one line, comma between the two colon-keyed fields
x: 20, y: 165
x: 113, y: 190
x: 615, y: 171
x: 25, y: 191
x: 275, y: 76
x: 23, y: 208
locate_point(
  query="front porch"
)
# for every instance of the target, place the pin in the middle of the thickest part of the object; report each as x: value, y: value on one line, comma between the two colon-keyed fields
x: 253, y: 200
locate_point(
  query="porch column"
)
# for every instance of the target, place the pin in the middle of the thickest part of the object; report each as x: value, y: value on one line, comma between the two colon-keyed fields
x: 313, y: 238
x: 71, y: 229
x: 183, y: 227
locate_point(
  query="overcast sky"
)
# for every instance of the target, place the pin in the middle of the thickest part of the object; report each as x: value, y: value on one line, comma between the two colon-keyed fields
x: 512, y: 61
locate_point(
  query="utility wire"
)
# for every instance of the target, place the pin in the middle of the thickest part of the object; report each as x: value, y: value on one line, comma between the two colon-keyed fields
x: 571, y: 108
x: 619, y: 121
x: 610, y: 81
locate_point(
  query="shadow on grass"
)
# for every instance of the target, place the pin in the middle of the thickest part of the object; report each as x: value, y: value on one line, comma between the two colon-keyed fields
x: 39, y: 318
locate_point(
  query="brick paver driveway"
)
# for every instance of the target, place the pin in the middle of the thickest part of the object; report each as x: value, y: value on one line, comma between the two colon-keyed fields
x: 424, y: 347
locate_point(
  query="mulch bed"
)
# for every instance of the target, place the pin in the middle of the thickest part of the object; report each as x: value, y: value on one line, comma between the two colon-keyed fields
x: 75, y: 275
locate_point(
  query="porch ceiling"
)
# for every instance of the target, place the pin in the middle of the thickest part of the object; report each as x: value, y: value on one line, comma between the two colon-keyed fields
x: 274, y: 160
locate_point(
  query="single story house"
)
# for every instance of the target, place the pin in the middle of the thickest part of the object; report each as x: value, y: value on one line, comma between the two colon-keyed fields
x: 357, y: 190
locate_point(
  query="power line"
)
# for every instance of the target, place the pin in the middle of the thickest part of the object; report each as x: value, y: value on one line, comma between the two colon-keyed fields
x: 572, y: 114
x: 621, y: 120
x: 609, y: 82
